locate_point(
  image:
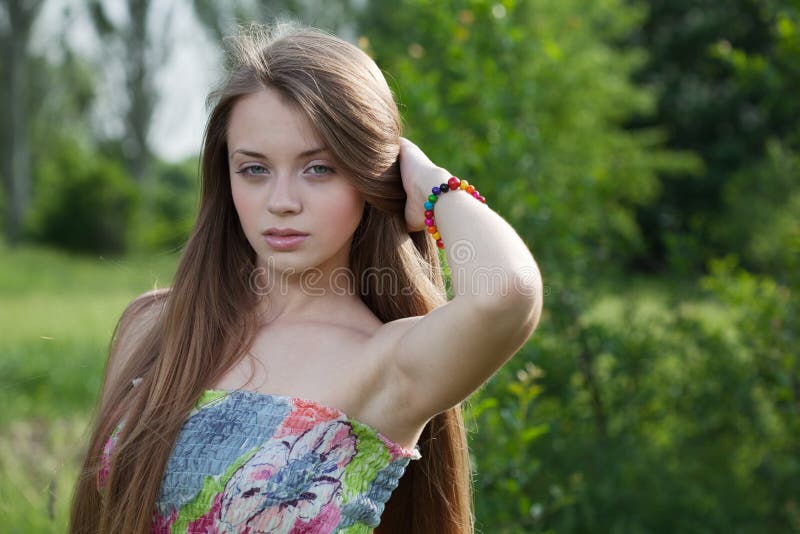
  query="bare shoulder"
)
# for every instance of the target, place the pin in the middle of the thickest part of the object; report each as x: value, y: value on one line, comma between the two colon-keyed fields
x: 137, y: 319
x: 430, y: 363
x: 139, y: 315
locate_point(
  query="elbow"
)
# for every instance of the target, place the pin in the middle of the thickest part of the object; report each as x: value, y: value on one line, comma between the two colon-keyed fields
x: 528, y: 297
x: 514, y: 318
x: 522, y: 299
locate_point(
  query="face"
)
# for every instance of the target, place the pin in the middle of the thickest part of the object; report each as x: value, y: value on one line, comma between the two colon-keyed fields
x: 279, y: 179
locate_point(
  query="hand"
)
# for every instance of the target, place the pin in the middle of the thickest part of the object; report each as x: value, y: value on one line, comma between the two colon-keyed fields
x: 419, y: 175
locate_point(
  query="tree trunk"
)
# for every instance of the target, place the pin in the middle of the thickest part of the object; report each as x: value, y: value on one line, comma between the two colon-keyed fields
x: 140, y: 89
x: 15, y: 151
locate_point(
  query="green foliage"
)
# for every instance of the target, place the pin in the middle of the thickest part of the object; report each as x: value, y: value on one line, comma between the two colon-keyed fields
x: 526, y: 99
x: 82, y: 200
x: 766, y: 319
x: 507, y: 408
x: 167, y: 215
x: 765, y: 192
x: 643, y: 409
x: 762, y: 202
x: 726, y: 75
x: 67, y: 111
x: 655, y: 412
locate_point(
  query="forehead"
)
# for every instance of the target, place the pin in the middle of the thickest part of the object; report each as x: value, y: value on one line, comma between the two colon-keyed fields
x: 265, y: 119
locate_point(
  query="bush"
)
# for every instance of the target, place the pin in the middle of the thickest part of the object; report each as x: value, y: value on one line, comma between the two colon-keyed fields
x: 82, y: 201
x: 167, y: 215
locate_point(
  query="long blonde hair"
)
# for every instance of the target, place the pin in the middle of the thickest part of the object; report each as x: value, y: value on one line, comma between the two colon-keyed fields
x: 184, y: 338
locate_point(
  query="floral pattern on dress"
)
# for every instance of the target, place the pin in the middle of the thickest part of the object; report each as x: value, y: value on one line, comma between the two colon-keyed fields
x: 251, y: 462
x: 289, y: 481
x: 105, y: 459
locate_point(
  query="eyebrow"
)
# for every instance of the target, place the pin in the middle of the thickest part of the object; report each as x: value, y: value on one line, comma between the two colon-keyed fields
x: 254, y: 154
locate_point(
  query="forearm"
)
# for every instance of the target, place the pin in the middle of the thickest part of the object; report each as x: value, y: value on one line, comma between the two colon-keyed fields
x: 488, y: 260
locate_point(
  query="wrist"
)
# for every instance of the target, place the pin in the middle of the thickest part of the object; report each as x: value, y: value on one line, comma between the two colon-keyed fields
x: 434, y: 178
x: 452, y: 185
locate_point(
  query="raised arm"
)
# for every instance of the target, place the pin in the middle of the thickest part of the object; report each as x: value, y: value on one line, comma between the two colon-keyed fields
x: 442, y: 357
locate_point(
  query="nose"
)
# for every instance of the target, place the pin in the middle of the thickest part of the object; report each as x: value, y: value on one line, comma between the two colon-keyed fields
x: 283, y: 197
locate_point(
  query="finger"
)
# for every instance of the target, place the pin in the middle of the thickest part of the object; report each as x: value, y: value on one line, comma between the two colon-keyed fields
x: 403, y: 145
x: 410, y: 147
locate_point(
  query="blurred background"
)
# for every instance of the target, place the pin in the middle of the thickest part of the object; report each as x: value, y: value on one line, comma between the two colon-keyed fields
x: 647, y: 151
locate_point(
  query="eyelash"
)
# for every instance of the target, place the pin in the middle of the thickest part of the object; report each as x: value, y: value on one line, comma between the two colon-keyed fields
x: 244, y: 169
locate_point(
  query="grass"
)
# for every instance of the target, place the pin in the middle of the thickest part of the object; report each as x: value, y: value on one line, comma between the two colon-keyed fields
x: 57, y: 313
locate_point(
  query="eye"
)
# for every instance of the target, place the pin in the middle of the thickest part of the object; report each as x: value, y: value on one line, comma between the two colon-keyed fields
x: 328, y: 170
x: 246, y: 170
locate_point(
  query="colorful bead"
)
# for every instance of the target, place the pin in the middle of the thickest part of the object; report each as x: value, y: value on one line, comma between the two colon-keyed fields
x: 452, y: 184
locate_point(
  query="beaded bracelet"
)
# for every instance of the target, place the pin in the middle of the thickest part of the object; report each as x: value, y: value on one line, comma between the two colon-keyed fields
x: 452, y: 184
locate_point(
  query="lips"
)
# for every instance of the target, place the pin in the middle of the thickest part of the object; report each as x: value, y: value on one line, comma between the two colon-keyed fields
x: 284, y: 242
x: 284, y: 232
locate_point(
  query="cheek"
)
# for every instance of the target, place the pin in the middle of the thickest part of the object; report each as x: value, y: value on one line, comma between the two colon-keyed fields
x: 245, y: 204
x: 346, y: 212
x: 335, y: 216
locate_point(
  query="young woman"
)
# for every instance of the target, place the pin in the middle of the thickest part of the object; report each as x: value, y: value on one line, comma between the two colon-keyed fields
x: 305, y: 371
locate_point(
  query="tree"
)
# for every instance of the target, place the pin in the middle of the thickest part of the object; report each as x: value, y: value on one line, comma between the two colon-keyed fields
x: 16, y: 20
x: 142, y: 50
x: 219, y: 19
x: 530, y: 99
x: 726, y: 77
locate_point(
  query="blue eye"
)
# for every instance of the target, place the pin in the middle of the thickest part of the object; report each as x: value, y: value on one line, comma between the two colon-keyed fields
x: 329, y: 170
x: 244, y: 171
x: 248, y: 171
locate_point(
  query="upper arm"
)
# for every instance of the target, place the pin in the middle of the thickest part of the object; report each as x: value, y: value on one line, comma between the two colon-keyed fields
x: 135, y: 323
x: 437, y: 360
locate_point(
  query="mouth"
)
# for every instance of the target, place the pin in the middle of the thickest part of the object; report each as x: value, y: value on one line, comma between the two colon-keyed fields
x: 284, y: 242
x: 288, y: 232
